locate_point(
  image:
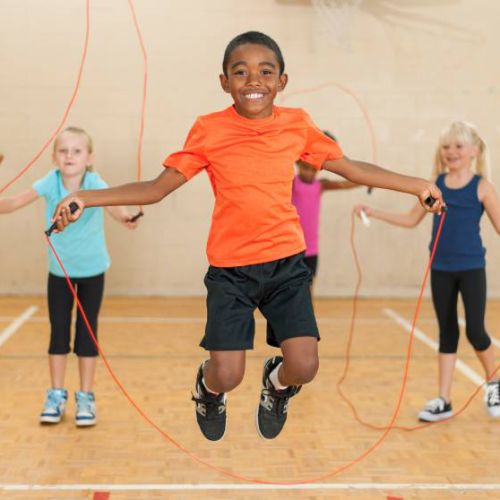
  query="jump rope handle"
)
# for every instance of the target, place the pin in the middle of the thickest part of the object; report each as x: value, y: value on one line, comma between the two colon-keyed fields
x: 429, y: 201
x: 136, y: 216
x: 73, y: 207
x: 364, y: 218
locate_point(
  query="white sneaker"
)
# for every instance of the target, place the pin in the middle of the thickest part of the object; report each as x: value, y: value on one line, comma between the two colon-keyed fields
x: 492, y: 398
x: 435, y: 410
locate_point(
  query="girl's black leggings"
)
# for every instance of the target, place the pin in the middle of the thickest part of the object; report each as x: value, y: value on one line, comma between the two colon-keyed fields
x: 60, y: 300
x: 446, y: 285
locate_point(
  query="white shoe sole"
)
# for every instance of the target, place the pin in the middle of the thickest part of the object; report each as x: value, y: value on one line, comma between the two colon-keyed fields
x: 47, y: 419
x: 493, y: 412
x: 424, y: 416
x: 85, y: 423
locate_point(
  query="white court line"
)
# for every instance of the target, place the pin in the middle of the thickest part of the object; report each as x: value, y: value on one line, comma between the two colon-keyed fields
x: 17, y: 323
x: 494, y: 341
x: 187, y: 320
x: 243, y: 486
x: 420, y: 335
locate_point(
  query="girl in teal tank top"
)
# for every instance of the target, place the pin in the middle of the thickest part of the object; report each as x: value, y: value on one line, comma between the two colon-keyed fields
x: 84, y: 254
x: 459, y: 266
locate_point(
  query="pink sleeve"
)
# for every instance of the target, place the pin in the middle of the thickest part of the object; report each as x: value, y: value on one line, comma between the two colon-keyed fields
x: 319, y: 148
x: 191, y: 159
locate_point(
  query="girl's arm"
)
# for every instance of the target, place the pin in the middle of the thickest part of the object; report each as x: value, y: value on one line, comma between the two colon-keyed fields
x: 371, y: 175
x: 489, y: 197
x: 408, y: 219
x: 123, y: 216
x: 135, y: 193
x: 20, y: 200
x: 327, y: 185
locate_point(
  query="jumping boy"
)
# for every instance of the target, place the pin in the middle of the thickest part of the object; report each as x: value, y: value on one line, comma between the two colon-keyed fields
x: 255, y: 247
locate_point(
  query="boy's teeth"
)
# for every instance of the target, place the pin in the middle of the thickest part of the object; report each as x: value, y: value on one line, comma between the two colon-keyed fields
x: 254, y: 96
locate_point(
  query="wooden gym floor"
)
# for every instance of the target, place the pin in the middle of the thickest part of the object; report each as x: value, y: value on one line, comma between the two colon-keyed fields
x: 152, y: 344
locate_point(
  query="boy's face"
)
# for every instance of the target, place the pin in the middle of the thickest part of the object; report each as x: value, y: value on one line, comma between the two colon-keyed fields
x: 253, y: 80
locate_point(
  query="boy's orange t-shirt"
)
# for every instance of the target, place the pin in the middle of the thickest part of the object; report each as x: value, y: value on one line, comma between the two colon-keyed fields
x: 250, y: 164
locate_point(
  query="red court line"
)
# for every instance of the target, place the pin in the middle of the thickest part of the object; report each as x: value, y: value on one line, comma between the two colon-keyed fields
x: 101, y: 495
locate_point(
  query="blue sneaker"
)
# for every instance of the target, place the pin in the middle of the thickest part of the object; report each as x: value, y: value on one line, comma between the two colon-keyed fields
x: 85, y: 409
x: 54, y: 406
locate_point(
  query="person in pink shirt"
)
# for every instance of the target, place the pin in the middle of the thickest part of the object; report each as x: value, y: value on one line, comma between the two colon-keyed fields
x: 306, y: 196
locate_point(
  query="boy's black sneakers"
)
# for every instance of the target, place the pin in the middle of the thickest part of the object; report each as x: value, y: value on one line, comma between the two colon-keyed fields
x: 210, y: 410
x: 273, y: 408
x: 436, y: 409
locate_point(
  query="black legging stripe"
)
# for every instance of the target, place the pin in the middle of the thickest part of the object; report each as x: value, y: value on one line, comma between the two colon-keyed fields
x: 471, y: 285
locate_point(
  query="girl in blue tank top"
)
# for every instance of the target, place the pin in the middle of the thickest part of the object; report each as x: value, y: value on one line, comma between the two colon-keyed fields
x: 86, y: 259
x: 459, y: 265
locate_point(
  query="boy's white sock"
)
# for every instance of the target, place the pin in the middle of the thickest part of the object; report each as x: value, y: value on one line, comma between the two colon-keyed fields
x: 273, y: 377
x: 204, y: 383
x: 208, y: 388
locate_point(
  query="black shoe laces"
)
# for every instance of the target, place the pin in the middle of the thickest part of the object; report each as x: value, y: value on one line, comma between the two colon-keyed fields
x: 212, y: 407
x: 276, y: 402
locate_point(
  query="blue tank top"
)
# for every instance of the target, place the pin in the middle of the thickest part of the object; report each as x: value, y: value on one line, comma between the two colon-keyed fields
x: 460, y: 247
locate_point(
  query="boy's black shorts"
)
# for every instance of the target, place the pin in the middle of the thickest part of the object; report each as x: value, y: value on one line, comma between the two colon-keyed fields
x: 312, y: 264
x: 279, y: 289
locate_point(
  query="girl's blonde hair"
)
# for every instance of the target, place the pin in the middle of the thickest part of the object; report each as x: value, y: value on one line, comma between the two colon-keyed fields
x: 81, y: 131
x: 462, y: 132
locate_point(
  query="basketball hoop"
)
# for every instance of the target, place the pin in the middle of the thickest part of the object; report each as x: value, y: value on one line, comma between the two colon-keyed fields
x: 337, y: 15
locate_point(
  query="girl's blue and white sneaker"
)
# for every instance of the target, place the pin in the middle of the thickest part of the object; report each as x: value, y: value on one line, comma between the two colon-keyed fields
x: 493, y: 398
x: 54, y: 406
x: 85, y: 409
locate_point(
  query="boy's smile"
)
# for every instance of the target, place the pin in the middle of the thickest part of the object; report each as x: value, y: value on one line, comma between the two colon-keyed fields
x: 253, y: 80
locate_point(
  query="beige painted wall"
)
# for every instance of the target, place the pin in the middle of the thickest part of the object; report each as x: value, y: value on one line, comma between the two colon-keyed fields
x: 415, y: 65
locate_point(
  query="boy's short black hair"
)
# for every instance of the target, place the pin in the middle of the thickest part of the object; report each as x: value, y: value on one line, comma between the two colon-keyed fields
x: 255, y: 37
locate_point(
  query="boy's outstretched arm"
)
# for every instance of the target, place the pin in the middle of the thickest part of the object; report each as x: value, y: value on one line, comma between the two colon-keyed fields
x: 135, y: 193
x: 327, y: 185
x: 368, y: 174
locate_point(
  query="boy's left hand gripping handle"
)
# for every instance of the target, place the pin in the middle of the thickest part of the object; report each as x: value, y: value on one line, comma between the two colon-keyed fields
x: 73, y: 207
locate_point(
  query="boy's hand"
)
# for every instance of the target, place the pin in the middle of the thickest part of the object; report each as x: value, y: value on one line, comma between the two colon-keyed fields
x: 431, y: 199
x: 62, y: 215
